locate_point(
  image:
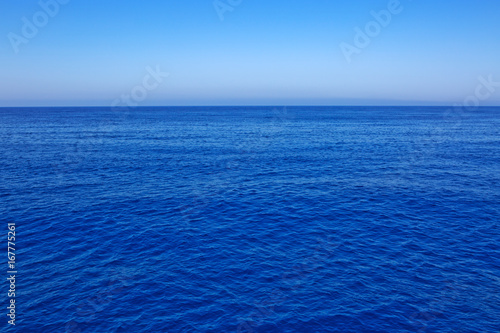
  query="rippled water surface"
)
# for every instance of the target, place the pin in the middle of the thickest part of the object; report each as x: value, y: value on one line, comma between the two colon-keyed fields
x: 258, y: 219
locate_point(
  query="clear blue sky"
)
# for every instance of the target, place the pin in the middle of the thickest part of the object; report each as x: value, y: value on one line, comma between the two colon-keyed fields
x: 280, y: 52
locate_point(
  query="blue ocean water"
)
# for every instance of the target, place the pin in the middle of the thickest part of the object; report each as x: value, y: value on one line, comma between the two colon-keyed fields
x: 253, y: 219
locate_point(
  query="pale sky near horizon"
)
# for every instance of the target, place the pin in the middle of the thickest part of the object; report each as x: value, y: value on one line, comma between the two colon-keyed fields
x: 249, y: 52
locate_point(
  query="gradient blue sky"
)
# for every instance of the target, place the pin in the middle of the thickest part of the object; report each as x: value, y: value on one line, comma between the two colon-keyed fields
x: 280, y: 52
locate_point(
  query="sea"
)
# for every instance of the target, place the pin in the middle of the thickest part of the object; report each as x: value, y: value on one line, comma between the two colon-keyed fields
x: 251, y: 219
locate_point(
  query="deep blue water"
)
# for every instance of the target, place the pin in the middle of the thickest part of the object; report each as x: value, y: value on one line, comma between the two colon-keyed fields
x: 297, y: 219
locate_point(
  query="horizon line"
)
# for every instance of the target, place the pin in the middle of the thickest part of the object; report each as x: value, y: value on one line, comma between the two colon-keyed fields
x: 236, y: 105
